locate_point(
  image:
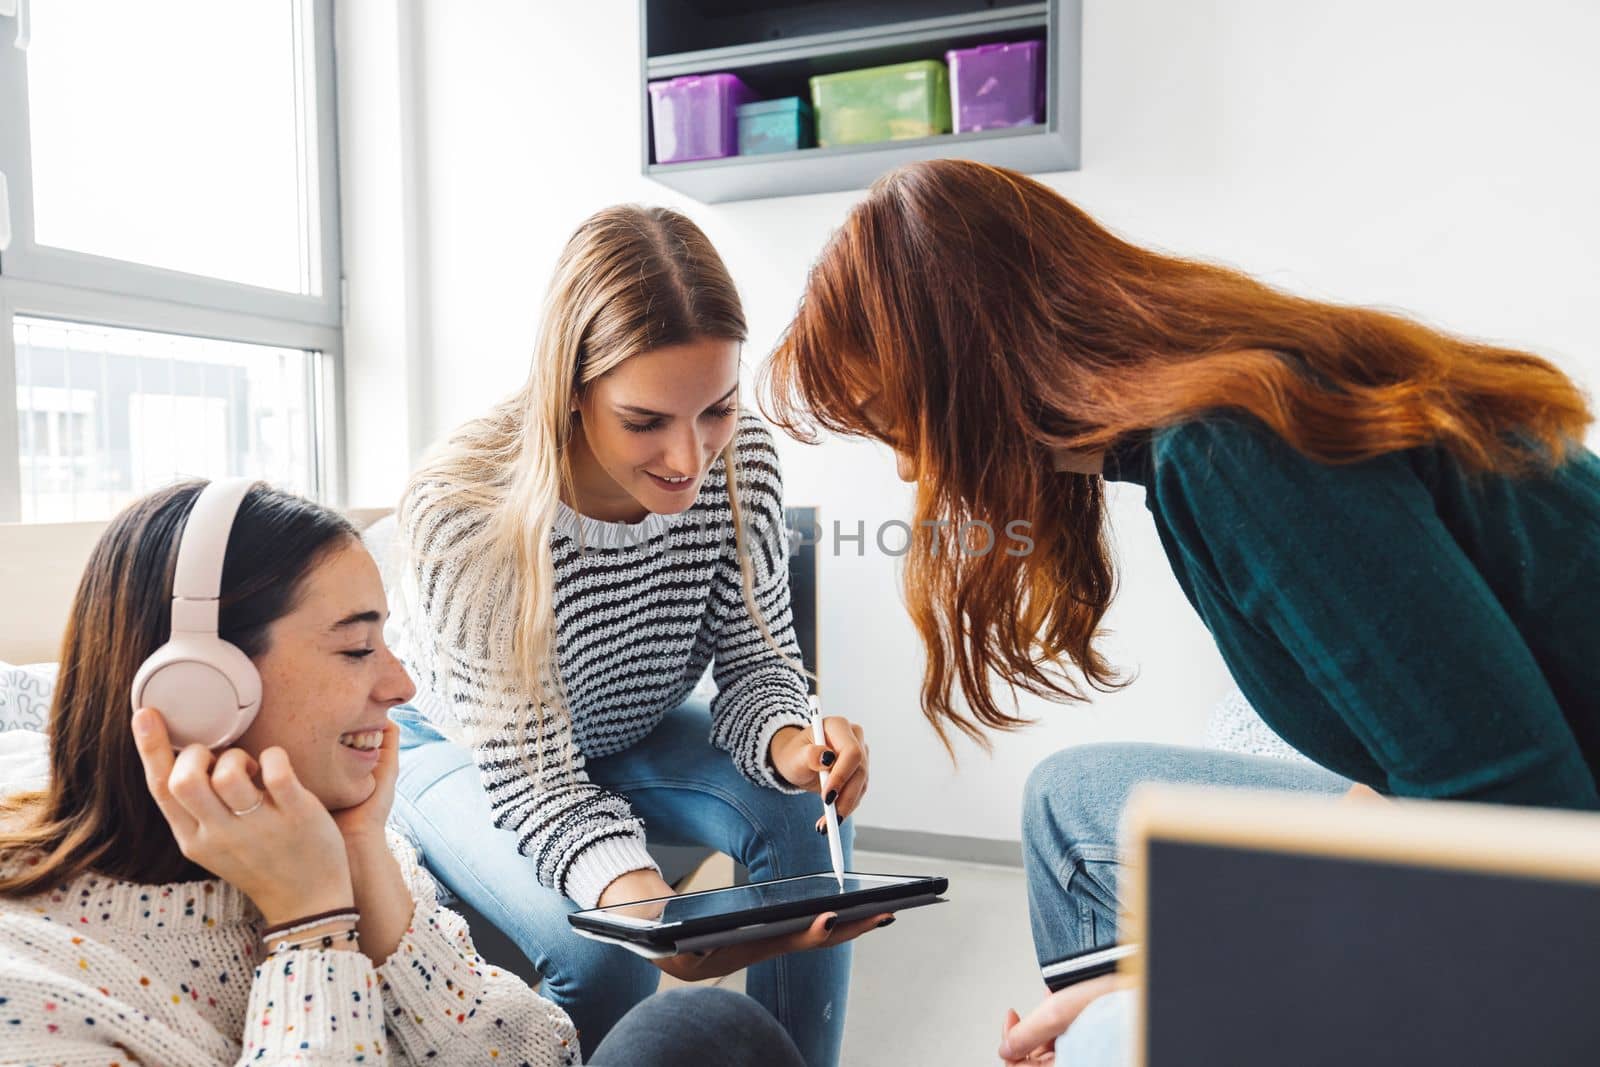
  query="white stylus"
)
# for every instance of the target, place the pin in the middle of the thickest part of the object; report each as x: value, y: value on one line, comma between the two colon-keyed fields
x: 835, y: 852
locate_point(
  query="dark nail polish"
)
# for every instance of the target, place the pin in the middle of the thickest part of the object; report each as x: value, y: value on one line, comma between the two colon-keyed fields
x: 886, y: 922
x: 833, y: 794
x: 828, y: 923
x: 822, y: 828
x: 829, y: 758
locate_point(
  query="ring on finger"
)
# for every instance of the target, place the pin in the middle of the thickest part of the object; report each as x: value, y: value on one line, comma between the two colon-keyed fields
x: 246, y: 811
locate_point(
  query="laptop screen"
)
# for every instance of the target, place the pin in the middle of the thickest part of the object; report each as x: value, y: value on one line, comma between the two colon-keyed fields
x: 1257, y: 957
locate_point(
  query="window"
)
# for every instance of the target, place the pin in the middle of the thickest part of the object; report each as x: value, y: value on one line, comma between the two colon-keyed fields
x: 106, y: 415
x: 169, y: 294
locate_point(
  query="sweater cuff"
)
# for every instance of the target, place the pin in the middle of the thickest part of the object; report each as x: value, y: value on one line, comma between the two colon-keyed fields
x: 324, y: 1000
x: 775, y: 721
x: 748, y: 713
x: 436, y: 983
x: 599, y: 864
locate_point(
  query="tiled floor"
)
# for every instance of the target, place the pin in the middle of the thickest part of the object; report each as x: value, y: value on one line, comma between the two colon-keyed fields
x: 932, y: 989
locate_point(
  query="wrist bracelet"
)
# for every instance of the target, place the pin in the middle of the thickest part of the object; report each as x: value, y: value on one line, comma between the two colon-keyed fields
x: 276, y: 944
x: 326, y: 941
x: 308, y: 922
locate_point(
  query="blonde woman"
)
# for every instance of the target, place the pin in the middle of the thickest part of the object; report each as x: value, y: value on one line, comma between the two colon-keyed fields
x: 576, y: 558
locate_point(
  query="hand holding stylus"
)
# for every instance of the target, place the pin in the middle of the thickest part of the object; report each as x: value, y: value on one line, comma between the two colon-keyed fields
x: 800, y: 761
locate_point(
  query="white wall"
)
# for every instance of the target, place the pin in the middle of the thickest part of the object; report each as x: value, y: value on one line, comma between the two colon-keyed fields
x: 380, y: 217
x: 1435, y: 157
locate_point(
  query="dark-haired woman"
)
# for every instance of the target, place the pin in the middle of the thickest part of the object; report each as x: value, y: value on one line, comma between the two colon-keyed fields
x: 135, y: 889
x: 1392, y: 533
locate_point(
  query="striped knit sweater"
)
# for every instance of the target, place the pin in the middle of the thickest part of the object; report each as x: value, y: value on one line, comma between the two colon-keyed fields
x: 641, y: 610
x: 103, y: 972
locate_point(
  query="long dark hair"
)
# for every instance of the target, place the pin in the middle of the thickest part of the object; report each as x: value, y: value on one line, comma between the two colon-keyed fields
x: 97, y: 814
x: 991, y: 321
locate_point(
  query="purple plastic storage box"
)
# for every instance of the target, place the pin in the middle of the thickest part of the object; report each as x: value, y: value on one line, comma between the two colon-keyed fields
x: 994, y: 86
x: 697, y: 116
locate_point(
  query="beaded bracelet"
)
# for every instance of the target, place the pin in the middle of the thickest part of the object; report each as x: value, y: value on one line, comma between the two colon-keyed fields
x: 308, y: 922
x: 326, y: 941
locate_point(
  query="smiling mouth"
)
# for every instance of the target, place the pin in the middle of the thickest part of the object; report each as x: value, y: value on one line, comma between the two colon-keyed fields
x: 362, y: 740
x: 673, y: 483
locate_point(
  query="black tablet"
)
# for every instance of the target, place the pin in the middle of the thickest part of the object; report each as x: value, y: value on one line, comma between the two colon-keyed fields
x: 693, y: 921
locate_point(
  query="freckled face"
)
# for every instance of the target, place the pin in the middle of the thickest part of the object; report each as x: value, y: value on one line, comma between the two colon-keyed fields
x: 328, y: 681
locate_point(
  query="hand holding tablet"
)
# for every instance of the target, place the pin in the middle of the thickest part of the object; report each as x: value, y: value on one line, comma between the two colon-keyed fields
x: 733, y: 928
x: 708, y: 934
x: 825, y: 931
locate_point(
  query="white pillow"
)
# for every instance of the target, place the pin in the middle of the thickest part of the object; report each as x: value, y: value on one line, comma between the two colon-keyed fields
x: 24, y: 761
x: 25, y: 695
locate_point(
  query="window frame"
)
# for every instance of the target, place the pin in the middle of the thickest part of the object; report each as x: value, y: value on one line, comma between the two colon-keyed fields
x: 64, y: 284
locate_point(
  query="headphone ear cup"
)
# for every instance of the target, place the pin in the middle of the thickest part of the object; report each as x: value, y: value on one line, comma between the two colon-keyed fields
x: 207, y: 691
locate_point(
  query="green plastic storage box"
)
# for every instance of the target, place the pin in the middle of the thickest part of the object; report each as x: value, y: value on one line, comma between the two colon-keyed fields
x: 774, y: 126
x: 893, y: 103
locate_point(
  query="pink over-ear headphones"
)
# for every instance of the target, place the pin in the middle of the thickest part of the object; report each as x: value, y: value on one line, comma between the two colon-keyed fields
x: 206, y: 689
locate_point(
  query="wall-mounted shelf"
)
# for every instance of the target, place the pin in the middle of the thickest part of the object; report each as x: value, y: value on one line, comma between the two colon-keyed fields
x: 776, y: 50
x: 825, y: 170
x: 867, y: 46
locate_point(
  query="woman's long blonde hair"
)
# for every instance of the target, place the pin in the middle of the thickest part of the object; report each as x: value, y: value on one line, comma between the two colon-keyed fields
x: 630, y: 279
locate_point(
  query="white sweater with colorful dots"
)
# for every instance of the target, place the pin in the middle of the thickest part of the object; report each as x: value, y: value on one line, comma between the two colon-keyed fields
x: 105, y: 972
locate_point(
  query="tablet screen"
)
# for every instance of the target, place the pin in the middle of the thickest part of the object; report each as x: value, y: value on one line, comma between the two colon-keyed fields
x: 648, y: 913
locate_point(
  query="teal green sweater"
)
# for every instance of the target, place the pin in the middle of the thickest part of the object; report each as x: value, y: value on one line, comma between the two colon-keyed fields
x: 1398, y: 621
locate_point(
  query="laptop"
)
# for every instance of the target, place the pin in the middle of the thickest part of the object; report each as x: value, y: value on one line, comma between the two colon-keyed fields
x: 1280, y: 929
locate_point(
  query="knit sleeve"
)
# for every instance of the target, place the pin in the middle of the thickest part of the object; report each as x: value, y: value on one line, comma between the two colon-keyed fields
x: 1346, y: 577
x: 580, y: 836
x: 67, y: 1000
x: 314, y: 1007
x: 49, y: 1017
x: 758, y: 692
x: 445, y: 1004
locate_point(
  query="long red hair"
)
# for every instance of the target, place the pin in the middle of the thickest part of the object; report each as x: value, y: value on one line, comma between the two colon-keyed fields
x: 989, y: 321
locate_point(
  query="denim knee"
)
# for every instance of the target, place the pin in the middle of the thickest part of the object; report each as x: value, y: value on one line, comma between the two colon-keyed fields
x: 798, y: 829
x: 1075, y: 796
x: 597, y: 969
x: 780, y: 831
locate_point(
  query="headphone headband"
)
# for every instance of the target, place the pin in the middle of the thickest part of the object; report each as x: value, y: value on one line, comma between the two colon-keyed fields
x: 197, y: 581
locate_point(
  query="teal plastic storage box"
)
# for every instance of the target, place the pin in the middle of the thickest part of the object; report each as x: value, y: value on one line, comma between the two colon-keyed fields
x: 774, y: 126
x: 892, y: 103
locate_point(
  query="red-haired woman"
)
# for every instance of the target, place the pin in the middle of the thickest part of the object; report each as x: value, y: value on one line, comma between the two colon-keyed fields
x: 1392, y: 533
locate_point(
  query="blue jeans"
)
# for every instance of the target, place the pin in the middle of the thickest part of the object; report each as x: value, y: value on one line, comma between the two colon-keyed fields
x: 701, y: 1026
x: 688, y: 793
x: 1071, y: 810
